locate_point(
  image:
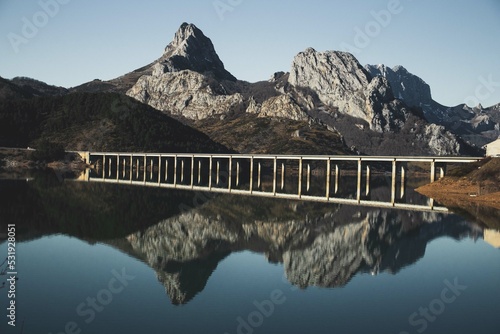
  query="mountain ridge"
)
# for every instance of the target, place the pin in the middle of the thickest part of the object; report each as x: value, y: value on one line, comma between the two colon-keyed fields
x: 330, y: 90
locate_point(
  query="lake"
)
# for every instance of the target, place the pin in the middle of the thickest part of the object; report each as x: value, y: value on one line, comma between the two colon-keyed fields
x: 106, y: 258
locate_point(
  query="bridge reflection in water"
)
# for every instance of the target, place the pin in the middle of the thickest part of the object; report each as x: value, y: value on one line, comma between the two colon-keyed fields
x: 313, y: 178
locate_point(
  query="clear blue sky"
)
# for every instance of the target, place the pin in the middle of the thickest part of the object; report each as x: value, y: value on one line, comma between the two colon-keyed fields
x: 450, y: 44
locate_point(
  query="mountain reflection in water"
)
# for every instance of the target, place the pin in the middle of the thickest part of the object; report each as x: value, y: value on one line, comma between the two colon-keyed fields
x: 321, y: 245
x: 324, y: 249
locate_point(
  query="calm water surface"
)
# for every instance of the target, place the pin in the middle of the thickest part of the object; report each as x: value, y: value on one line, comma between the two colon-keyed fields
x: 103, y: 258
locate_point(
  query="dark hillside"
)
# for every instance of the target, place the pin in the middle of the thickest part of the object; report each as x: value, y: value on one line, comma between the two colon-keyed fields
x: 103, y: 121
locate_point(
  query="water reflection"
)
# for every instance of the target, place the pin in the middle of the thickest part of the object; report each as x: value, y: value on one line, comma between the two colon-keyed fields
x: 324, y: 249
x: 183, y: 237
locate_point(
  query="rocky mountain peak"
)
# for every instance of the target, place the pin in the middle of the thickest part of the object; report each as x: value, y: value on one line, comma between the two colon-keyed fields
x: 405, y: 86
x: 192, y: 50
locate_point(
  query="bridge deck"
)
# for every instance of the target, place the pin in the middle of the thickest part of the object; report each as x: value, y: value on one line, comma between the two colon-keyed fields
x: 224, y: 173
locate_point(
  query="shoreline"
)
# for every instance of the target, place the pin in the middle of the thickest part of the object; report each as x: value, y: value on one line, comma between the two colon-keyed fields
x: 473, y: 187
x: 16, y: 159
x: 460, y: 192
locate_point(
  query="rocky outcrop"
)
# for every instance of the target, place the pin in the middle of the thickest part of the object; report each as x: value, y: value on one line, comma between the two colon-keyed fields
x: 185, y: 93
x: 406, y: 86
x: 477, y: 125
x: 283, y: 106
x: 337, y: 78
x: 192, y: 50
x: 341, y: 82
x: 188, y: 80
x: 441, y: 142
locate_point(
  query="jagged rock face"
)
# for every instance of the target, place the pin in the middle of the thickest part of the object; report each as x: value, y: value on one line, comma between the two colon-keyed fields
x: 341, y: 82
x: 192, y: 50
x: 283, y: 106
x: 406, y: 86
x: 441, y: 142
x: 388, y: 114
x: 336, y: 77
x: 188, y: 79
x: 186, y: 93
x: 477, y: 125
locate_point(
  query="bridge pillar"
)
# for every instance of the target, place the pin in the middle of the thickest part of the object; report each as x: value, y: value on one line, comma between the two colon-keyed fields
x: 237, y: 173
x: 230, y: 172
x: 433, y: 171
x: 259, y: 172
x: 131, y: 167
x: 328, y: 178
x: 393, y: 182
x: 403, y: 180
x: 308, y: 177
x: 175, y: 171
x: 300, y: 177
x: 275, y: 173
x: 218, y: 173
x: 251, y: 175
x: 337, y: 178
x: 358, y: 188
x: 199, y: 172
x: 159, y: 170
x: 368, y: 179
x: 210, y: 172
x: 283, y: 176
x: 104, y: 166
x: 192, y: 171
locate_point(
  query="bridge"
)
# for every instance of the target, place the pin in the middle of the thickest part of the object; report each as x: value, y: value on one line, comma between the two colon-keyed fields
x: 298, y: 177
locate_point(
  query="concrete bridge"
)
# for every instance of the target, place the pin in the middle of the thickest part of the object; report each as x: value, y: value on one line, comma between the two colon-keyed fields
x: 297, y: 177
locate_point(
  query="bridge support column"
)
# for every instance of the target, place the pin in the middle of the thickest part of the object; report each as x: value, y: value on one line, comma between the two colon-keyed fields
x: 152, y: 169
x: 360, y: 173
x: 118, y: 167
x: 337, y: 179
x: 218, y: 173
x: 393, y: 182
x: 275, y: 174
x: 403, y: 181
x: 159, y: 170
x: 433, y: 171
x: 259, y: 172
x: 131, y: 167
x: 368, y: 179
x: 283, y: 176
x: 308, y: 187
x: 104, y: 166
x: 210, y: 171
x: 300, y: 177
x: 192, y: 171
x: 251, y: 175
x: 230, y: 172
x: 237, y: 173
x: 175, y: 171
x: 199, y: 172
x: 328, y: 178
